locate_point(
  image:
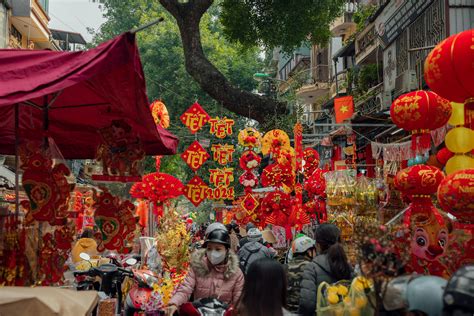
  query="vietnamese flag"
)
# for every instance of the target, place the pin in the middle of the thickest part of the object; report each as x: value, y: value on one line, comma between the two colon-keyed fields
x: 343, y: 108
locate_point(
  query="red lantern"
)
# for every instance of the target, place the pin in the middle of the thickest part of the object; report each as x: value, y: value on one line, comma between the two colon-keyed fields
x: 449, y: 68
x: 443, y: 156
x: 456, y: 195
x: 418, y: 180
x: 419, y: 112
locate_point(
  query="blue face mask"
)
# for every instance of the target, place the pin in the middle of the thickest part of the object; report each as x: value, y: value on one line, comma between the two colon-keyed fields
x: 216, y: 256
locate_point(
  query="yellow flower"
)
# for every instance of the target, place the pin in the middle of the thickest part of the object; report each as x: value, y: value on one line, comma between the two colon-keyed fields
x: 342, y: 290
x: 354, y: 311
x: 332, y: 290
x: 333, y: 298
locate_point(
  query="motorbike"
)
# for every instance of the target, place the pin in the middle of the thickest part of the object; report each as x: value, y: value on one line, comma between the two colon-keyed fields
x: 141, y: 291
x: 111, y: 278
x: 206, y: 307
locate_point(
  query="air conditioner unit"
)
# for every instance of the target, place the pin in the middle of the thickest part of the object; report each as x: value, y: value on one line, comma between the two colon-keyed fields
x: 383, y: 101
x: 406, y: 82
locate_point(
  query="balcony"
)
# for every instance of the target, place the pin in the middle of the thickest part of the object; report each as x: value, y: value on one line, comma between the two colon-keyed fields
x: 366, y: 43
x: 344, y: 24
x: 31, y: 21
x: 339, y: 84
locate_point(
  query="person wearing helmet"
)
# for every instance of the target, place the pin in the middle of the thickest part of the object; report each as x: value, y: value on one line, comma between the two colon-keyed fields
x: 415, y: 295
x: 458, y: 296
x: 253, y: 249
x: 245, y: 239
x: 214, y: 272
x: 304, y: 250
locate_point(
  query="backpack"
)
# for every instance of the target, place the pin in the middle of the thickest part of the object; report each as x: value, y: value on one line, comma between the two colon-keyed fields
x: 251, y: 256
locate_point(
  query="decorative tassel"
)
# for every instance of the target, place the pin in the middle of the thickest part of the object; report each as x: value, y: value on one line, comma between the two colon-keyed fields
x: 425, y: 141
x: 469, y: 113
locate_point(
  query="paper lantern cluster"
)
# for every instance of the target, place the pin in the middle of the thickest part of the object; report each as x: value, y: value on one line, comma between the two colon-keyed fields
x: 456, y: 195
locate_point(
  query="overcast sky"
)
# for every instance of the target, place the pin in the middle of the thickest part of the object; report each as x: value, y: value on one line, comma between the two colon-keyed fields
x: 75, y: 16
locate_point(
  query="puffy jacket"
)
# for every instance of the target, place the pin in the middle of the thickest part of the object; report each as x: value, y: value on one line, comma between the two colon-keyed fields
x: 224, y: 282
x: 295, y: 271
x: 87, y: 245
x: 252, y: 251
x: 315, y: 272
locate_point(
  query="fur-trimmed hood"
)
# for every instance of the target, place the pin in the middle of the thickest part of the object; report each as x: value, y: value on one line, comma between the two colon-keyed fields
x: 201, y: 266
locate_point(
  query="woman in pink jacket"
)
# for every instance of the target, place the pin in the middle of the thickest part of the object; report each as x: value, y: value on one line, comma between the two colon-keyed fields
x: 214, y: 273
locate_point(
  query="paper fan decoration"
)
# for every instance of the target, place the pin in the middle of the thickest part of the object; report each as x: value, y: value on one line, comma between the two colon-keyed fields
x: 250, y: 137
x: 160, y: 114
x: 287, y: 156
x: 278, y: 175
x: 157, y: 187
x: 249, y: 160
x: 274, y: 141
x: 298, y: 216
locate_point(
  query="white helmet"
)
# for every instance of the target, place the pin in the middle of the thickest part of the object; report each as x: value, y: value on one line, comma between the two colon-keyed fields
x: 302, y: 244
x: 214, y: 226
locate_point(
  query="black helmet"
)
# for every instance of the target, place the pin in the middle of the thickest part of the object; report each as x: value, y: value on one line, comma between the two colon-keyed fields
x: 459, y: 292
x: 218, y: 236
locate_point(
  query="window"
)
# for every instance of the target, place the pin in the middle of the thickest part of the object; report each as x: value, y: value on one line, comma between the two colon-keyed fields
x: 45, y: 5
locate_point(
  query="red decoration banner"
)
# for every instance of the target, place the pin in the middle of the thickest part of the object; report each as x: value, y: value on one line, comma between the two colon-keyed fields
x: 196, y: 190
x: 195, y: 118
x: 221, y: 127
x: 195, y: 156
x: 222, y: 153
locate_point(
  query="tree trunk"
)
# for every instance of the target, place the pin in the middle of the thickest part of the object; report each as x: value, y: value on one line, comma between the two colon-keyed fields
x: 212, y: 81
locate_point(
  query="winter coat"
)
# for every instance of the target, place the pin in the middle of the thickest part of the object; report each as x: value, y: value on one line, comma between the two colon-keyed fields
x: 224, y: 282
x: 315, y: 272
x: 252, y: 251
x: 295, y: 270
x: 87, y: 245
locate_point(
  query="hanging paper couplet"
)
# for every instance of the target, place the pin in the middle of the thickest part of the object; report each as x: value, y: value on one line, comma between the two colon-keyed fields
x: 250, y: 137
x: 221, y: 179
x: 116, y: 222
x: 221, y: 127
x: 249, y: 203
x: 120, y: 153
x: 195, y: 156
x: 196, y: 190
x: 195, y: 118
x: 45, y: 185
x: 222, y: 153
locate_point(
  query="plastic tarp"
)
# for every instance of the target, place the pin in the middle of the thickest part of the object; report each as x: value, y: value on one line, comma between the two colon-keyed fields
x: 46, y: 301
x: 84, y: 91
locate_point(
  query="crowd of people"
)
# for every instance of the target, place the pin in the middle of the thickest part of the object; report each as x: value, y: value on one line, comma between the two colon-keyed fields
x: 248, y: 274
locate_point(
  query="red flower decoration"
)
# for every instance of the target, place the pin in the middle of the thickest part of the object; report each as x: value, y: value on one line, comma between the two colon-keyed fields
x: 249, y: 160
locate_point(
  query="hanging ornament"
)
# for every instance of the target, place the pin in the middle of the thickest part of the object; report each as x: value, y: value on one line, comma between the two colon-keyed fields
x: 157, y: 187
x: 279, y: 176
x: 248, y: 180
x: 419, y: 112
x: 459, y: 162
x: 315, y: 185
x: 448, y: 71
x: 456, y: 195
x: 274, y: 141
x: 418, y: 180
x: 310, y: 161
x: 250, y: 137
x: 275, y: 202
x: 195, y: 156
x: 249, y: 203
x: 221, y: 127
x: 196, y: 191
x: 160, y: 114
x: 249, y: 160
x: 195, y: 118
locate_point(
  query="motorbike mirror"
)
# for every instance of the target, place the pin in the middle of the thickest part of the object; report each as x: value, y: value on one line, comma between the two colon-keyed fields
x: 131, y: 261
x: 85, y: 256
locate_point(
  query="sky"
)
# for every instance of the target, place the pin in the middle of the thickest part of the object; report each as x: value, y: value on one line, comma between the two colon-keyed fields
x: 75, y: 16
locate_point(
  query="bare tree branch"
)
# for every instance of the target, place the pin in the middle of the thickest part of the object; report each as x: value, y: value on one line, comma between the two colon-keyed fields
x: 212, y: 81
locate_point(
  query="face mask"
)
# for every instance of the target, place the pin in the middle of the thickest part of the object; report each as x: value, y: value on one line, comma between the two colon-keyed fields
x: 216, y: 257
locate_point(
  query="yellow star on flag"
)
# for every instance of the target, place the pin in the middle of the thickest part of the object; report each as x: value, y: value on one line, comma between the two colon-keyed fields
x: 344, y: 109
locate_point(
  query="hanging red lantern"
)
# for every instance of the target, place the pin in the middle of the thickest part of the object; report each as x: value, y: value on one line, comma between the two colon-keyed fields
x: 419, y: 112
x: 449, y: 68
x: 418, y: 180
x: 456, y: 195
x: 443, y: 156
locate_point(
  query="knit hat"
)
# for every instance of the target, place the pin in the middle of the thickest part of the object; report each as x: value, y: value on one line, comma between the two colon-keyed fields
x: 254, y: 234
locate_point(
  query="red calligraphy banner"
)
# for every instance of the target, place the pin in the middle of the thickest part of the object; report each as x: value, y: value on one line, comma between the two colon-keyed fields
x: 195, y: 156
x: 221, y: 127
x: 222, y: 153
x: 195, y: 118
x: 196, y: 190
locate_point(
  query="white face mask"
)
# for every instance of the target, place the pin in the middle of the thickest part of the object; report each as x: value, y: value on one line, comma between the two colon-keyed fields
x: 215, y: 256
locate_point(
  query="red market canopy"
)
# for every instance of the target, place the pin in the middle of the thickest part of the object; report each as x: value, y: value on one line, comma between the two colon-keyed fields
x: 74, y: 94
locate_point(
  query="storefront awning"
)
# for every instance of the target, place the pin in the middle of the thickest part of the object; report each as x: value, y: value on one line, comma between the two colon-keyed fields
x: 74, y: 94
